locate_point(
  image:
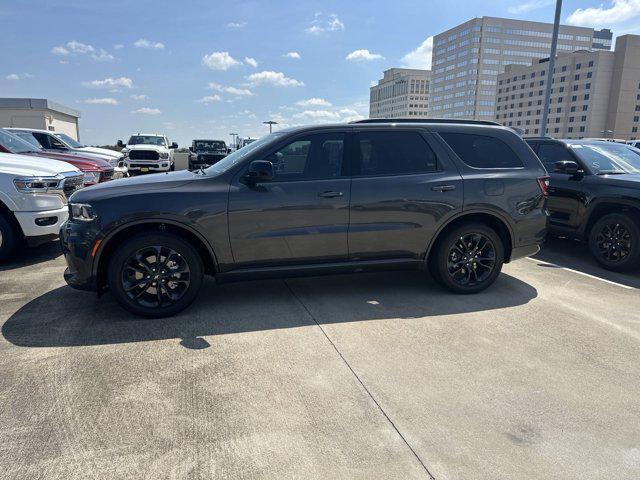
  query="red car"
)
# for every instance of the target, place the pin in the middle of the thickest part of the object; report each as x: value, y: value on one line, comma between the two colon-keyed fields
x: 95, y: 170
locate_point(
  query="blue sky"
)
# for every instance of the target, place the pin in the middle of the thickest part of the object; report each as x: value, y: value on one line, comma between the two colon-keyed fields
x: 207, y: 68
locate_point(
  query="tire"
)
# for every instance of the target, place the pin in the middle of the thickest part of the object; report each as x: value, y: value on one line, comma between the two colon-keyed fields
x: 614, y: 241
x: 8, y: 239
x: 466, y: 269
x: 172, y: 167
x: 140, y: 295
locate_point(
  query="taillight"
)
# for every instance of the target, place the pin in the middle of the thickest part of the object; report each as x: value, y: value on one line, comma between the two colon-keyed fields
x: 543, y: 183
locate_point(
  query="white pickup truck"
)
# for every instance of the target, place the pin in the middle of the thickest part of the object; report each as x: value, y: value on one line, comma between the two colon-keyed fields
x: 145, y: 153
x: 33, y: 199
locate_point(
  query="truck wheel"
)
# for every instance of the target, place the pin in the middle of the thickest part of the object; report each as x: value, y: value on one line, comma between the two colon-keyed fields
x: 614, y: 241
x: 155, y: 275
x: 172, y: 167
x: 8, y: 239
x: 468, y: 259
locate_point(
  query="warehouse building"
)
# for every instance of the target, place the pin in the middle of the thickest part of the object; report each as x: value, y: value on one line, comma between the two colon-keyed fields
x: 39, y: 113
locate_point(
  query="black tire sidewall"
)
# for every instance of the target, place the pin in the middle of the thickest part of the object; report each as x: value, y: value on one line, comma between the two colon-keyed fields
x: 9, y: 239
x: 633, y: 260
x: 126, y: 249
x: 439, y: 266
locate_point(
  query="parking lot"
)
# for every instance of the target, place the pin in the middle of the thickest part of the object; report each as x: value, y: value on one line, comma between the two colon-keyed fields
x: 374, y: 376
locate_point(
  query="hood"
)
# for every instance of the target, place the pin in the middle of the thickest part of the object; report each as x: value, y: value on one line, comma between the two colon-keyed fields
x: 102, y: 151
x: 155, y: 148
x: 134, y: 185
x: 24, y: 165
x: 626, y: 181
x: 83, y: 163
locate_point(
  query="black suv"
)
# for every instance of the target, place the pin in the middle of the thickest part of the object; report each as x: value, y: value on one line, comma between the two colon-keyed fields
x: 204, y: 153
x: 594, y: 195
x: 458, y: 198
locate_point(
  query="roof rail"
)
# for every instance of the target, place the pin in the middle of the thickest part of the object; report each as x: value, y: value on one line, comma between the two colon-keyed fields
x: 427, y: 120
x: 538, y: 137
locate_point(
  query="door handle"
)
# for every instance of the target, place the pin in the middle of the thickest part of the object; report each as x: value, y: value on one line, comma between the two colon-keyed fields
x: 330, y: 194
x: 443, y: 188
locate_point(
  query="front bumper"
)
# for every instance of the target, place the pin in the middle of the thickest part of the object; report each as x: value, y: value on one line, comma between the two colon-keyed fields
x: 45, y: 223
x: 78, y: 242
x: 140, y: 167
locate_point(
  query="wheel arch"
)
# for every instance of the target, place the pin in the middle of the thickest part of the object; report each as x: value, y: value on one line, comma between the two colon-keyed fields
x: 119, y: 235
x: 607, y: 206
x: 492, y: 219
x: 11, y: 218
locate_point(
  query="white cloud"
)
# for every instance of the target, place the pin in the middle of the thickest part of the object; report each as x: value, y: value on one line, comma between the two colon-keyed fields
x: 118, y: 46
x: 420, y: 57
x: 318, y: 114
x: 617, y: 12
x: 322, y: 23
x: 59, y: 51
x: 236, y: 24
x: 209, y: 99
x: 147, y: 111
x: 363, y: 55
x: 144, y: 43
x: 101, y: 101
x: 240, y: 92
x: 313, y: 102
x: 110, y: 83
x: 251, y: 61
x: 79, y: 47
x: 139, y: 97
x: 273, y: 78
x: 13, y: 76
x: 102, y: 56
x: 295, y: 55
x: 529, y: 6
x: 219, y: 61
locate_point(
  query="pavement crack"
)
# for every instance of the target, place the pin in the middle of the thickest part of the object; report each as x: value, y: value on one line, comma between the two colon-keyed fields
x: 368, y: 392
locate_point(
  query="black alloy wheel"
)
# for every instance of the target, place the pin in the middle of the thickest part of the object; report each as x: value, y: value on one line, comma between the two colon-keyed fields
x: 614, y: 241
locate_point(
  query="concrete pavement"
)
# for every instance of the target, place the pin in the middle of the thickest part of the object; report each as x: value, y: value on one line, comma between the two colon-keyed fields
x: 367, y: 376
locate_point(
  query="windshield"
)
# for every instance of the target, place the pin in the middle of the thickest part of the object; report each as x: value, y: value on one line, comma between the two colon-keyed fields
x: 146, y: 140
x: 210, y: 145
x: 234, y: 158
x: 68, y: 140
x: 608, y: 157
x: 15, y: 144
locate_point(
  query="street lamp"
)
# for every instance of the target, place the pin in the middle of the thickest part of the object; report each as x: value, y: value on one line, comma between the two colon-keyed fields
x: 552, y: 63
x: 271, y: 123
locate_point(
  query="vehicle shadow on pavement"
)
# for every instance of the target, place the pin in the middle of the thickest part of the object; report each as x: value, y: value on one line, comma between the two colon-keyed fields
x: 576, y: 256
x: 32, y: 256
x: 65, y: 317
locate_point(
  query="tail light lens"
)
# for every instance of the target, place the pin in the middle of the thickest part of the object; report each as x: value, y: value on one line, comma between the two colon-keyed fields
x: 543, y: 183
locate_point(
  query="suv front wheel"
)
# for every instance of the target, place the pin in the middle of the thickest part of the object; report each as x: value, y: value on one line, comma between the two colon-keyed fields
x: 614, y: 241
x: 155, y: 275
x: 468, y: 258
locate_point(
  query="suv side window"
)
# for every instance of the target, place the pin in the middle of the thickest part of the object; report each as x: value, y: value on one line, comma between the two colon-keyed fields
x: 43, y: 139
x: 550, y: 153
x: 394, y: 153
x: 312, y: 157
x: 482, y: 151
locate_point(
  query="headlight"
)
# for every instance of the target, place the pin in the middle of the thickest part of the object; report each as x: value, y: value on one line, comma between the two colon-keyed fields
x: 91, y: 177
x: 39, y: 185
x: 81, y: 212
x: 164, y: 155
x: 125, y: 152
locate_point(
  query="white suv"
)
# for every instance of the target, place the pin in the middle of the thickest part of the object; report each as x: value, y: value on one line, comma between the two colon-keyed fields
x: 146, y: 153
x: 33, y: 199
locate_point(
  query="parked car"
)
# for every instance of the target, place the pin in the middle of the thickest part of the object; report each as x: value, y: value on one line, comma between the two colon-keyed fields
x: 61, y: 143
x: 458, y: 198
x: 204, y: 153
x: 95, y: 170
x: 146, y: 153
x: 594, y: 196
x: 33, y: 199
x: 634, y: 143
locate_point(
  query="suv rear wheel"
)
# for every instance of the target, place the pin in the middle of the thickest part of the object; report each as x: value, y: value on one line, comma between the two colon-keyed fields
x: 8, y: 238
x: 468, y: 258
x: 155, y: 275
x: 614, y: 241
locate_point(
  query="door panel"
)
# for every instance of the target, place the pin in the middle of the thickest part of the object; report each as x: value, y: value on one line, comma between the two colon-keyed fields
x: 299, y: 217
x: 395, y: 214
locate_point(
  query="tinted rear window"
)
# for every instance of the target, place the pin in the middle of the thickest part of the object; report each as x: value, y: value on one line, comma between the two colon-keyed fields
x: 481, y: 151
x: 395, y: 153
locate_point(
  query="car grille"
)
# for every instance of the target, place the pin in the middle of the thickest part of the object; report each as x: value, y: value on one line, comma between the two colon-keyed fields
x: 106, y: 175
x: 143, y: 155
x: 210, y: 157
x: 72, y: 184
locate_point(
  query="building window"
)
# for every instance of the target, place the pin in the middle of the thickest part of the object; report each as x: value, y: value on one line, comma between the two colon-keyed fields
x: 570, y: 129
x: 585, y: 108
x: 578, y: 66
x: 574, y: 98
x: 634, y: 130
x: 586, y: 96
x: 582, y: 129
x: 591, y: 63
x: 589, y: 74
x: 576, y: 77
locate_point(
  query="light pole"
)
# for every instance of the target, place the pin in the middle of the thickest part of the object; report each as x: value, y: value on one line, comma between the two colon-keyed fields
x: 271, y: 123
x: 233, y: 139
x: 552, y: 63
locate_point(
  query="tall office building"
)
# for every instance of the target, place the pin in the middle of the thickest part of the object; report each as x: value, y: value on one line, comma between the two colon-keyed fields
x: 468, y: 58
x: 594, y: 93
x: 401, y: 93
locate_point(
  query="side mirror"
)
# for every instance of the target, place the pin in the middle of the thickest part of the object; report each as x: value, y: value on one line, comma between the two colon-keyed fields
x: 191, y: 149
x: 120, y: 144
x: 173, y: 145
x: 260, y: 171
x: 568, y: 167
x: 228, y: 151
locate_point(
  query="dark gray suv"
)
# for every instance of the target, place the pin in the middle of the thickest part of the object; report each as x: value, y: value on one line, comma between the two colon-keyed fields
x: 457, y: 198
